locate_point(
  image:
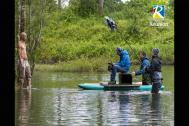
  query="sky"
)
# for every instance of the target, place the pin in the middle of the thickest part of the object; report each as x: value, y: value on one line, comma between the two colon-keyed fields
x: 66, y: 2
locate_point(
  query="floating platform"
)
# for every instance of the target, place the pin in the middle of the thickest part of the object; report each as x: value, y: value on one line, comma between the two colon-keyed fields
x: 106, y: 86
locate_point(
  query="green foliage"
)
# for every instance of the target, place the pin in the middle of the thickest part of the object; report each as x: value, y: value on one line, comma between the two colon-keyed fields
x: 76, y: 33
x: 78, y: 65
x: 84, y: 8
x: 68, y: 37
x: 112, y: 6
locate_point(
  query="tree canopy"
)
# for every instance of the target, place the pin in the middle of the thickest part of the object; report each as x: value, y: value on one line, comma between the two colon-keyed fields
x: 63, y: 33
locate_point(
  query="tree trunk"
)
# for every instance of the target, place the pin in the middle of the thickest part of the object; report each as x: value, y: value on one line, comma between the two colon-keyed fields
x: 22, y: 26
x: 19, y: 15
x: 18, y: 30
x: 101, y: 3
x: 59, y: 4
x: 37, y: 38
x: 29, y: 29
x: 22, y: 16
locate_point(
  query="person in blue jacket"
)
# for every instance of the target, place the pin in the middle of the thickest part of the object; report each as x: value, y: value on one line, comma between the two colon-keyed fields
x: 122, y: 66
x: 145, y: 63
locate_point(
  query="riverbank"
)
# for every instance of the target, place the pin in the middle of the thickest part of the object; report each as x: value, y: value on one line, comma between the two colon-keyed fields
x: 79, y: 65
x: 82, y: 65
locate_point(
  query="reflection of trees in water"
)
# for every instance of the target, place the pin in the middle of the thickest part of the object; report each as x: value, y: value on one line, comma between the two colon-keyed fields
x: 155, y: 110
x: 77, y: 108
x: 59, y: 111
x: 112, y: 97
x: 143, y: 108
x: 124, y: 108
x: 99, y: 116
x: 103, y: 77
x: 118, y: 108
x: 137, y: 110
x: 91, y: 108
x: 62, y: 104
x: 24, y: 106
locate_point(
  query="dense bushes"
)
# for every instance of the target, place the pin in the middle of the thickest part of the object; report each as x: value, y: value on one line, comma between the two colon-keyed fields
x: 91, y: 38
x: 67, y: 36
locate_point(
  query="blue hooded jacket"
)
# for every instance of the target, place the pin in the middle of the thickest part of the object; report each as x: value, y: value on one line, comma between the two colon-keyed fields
x: 144, y: 64
x: 124, y: 61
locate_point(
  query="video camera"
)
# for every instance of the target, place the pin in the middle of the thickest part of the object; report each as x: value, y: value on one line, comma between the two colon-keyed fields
x: 110, y: 66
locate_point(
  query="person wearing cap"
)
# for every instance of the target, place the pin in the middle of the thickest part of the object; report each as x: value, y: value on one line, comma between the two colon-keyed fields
x: 122, y: 66
x: 146, y: 80
x: 155, y: 71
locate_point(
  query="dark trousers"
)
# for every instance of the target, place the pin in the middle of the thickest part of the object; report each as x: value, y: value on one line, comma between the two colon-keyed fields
x: 116, y: 69
x: 156, y: 82
x: 156, y: 86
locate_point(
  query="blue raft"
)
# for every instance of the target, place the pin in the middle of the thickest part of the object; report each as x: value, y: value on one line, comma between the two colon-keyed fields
x: 105, y: 86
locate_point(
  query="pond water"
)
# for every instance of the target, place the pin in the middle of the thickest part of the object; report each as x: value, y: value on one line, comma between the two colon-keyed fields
x: 55, y: 100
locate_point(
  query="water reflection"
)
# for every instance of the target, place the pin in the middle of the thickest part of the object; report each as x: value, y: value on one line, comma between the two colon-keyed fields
x: 136, y: 109
x: 53, y: 103
x: 64, y: 107
x: 99, y: 116
x: 144, y: 108
x: 24, y: 106
x: 155, y: 110
x: 58, y: 108
x: 124, y: 108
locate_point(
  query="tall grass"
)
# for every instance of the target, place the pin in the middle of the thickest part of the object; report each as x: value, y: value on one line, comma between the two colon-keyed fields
x: 79, y: 65
x: 99, y: 64
x: 87, y: 39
